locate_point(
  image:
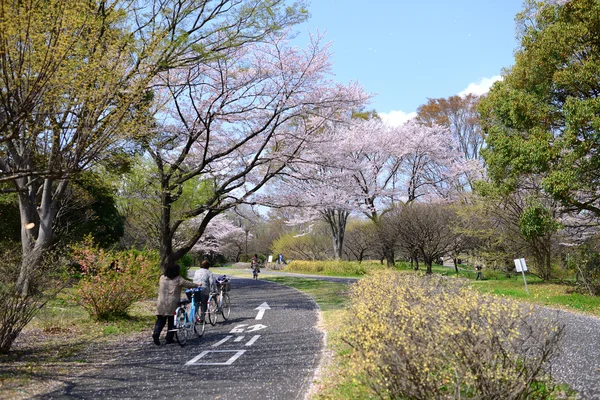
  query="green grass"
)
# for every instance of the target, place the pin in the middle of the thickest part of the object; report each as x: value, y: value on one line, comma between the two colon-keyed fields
x: 328, y: 295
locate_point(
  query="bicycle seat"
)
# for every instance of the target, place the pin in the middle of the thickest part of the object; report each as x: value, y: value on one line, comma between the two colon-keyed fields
x: 183, y: 302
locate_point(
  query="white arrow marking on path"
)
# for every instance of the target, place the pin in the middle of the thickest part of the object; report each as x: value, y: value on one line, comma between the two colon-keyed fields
x: 261, y: 310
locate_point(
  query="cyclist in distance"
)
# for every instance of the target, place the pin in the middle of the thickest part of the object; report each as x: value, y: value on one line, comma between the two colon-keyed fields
x: 207, y: 280
x: 169, y: 293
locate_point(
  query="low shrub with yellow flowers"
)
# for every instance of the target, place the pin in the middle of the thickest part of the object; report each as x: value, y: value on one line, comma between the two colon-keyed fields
x: 337, y: 268
x: 433, y: 337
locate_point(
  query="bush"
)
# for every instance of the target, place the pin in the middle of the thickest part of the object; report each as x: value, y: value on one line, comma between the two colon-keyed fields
x: 112, y: 281
x: 16, y: 309
x: 334, y: 268
x: 585, y: 262
x: 436, y: 338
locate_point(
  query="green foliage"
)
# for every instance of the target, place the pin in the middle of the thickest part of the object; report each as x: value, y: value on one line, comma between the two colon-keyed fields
x: 585, y: 262
x: 395, y: 323
x: 544, y: 117
x: 536, y: 221
x: 10, y: 219
x: 90, y: 208
x: 186, y: 262
x: 112, y: 281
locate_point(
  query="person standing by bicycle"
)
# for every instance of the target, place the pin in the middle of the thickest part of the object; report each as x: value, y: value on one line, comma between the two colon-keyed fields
x: 169, y: 293
x: 209, y: 285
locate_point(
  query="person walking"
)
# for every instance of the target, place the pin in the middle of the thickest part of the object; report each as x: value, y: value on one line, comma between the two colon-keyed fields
x: 255, y: 266
x: 479, y: 273
x: 169, y: 294
x: 206, y: 279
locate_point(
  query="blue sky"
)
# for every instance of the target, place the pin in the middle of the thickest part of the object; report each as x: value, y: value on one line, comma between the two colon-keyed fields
x: 407, y: 52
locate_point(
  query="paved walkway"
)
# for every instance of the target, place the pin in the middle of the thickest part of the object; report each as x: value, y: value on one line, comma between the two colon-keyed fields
x: 578, y: 363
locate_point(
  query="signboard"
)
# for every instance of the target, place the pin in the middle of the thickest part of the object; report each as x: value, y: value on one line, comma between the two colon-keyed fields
x: 520, y: 265
x: 270, y: 259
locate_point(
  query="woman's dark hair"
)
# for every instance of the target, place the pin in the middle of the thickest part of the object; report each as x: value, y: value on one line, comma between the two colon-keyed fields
x: 172, y: 271
x: 205, y: 264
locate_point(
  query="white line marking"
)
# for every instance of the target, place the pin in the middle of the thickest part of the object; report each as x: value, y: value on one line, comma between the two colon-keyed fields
x: 239, y: 339
x: 251, y: 341
x: 220, y: 342
x: 230, y: 361
x: 261, y: 310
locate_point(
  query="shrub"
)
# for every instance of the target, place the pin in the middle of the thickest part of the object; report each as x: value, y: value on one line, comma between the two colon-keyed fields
x: 112, y: 281
x: 436, y: 338
x: 334, y: 268
x: 586, y: 264
x: 17, y: 309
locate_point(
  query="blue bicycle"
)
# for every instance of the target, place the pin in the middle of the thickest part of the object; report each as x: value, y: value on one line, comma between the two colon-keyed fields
x: 187, y: 318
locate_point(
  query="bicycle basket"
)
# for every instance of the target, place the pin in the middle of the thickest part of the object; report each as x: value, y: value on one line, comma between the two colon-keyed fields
x: 193, y: 294
x: 225, y: 285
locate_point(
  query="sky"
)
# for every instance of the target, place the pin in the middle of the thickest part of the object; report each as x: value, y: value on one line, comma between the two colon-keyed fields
x: 406, y: 52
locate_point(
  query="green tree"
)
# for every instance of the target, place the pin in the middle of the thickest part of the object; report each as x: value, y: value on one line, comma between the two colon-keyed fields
x: 543, y: 119
x: 75, y: 81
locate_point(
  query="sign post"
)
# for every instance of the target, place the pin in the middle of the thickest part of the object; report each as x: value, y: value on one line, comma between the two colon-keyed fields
x: 522, y: 267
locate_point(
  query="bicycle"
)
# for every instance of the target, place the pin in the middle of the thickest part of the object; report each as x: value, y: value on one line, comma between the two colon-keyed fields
x: 255, y: 270
x: 219, y: 302
x: 187, y: 319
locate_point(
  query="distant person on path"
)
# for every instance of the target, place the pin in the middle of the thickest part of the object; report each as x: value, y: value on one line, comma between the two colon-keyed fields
x: 280, y: 259
x: 255, y: 266
x: 209, y: 285
x: 169, y: 294
x: 479, y: 273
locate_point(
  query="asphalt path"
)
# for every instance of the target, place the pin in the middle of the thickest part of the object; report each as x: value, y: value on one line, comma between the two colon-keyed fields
x: 274, y: 357
x: 578, y: 362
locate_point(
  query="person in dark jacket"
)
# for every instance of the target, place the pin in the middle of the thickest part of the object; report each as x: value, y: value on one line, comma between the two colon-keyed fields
x: 169, y: 294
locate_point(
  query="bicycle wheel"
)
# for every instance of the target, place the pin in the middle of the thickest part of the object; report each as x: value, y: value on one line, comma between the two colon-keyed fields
x: 182, y: 336
x: 182, y: 332
x: 225, y: 306
x: 213, y: 311
x: 198, y: 326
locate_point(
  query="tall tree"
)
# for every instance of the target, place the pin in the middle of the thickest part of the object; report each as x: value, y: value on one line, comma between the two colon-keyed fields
x: 75, y: 80
x: 543, y: 119
x: 458, y: 114
x: 236, y: 123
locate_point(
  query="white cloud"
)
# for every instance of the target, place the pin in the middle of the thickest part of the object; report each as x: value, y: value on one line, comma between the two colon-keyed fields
x: 483, y: 86
x: 396, y: 117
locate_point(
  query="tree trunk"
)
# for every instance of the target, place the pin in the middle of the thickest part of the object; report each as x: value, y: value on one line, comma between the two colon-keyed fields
x: 337, y: 218
x: 428, y: 264
x: 37, y: 235
x: 388, y: 252
x: 455, y: 261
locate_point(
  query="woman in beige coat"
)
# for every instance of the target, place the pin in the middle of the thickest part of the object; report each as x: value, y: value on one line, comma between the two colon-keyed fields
x: 169, y: 293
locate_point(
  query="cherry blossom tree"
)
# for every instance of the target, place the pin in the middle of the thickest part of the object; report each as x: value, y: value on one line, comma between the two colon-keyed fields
x: 220, y: 235
x: 366, y: 166
x: 234, y: 124
x: 76, y: 83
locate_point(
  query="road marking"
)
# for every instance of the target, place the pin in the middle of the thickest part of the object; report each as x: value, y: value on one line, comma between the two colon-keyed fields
x: 261, y: 310
x: 254, y: 328
x: 238, y: 328
x: 251, y: 341
x: 220, y: 342
x: 245, y: 328
x: 231, y: 360
x: 239, y: 338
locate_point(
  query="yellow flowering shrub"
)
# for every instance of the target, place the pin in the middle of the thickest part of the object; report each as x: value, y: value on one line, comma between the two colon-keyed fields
x: 432, y: 337
x: 338, y: 268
